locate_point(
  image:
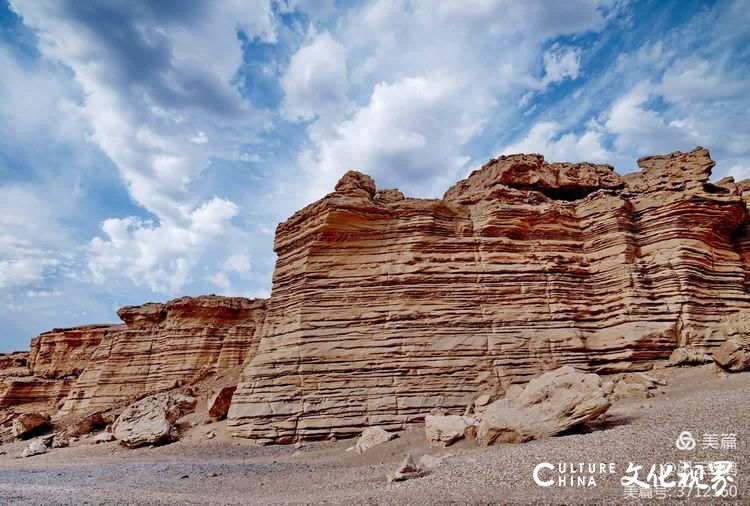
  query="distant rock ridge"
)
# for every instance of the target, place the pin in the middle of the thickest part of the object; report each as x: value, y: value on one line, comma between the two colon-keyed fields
x: 385, y: 308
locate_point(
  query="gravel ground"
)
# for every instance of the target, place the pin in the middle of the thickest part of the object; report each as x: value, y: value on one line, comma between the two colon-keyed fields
x: 227, y: 471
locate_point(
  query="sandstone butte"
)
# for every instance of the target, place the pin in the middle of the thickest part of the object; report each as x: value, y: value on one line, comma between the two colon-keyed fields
x: 384, y: 308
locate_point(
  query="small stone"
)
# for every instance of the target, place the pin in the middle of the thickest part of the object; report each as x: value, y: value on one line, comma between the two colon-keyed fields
x: 35, y: 448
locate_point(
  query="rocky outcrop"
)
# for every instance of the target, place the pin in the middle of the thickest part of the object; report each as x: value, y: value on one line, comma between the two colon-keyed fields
x: 61, y: 353
x: 166, y: 345
x: 385, y: 307
x: 44, y: 376
x: 549, y: 405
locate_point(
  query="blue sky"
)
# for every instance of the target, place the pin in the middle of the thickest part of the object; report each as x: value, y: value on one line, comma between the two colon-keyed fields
x: 149, y: 148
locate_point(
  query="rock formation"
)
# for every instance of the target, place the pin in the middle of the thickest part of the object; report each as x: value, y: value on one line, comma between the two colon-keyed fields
x: 549, y: 405
x: 385, y: 307
x: 166, y: 345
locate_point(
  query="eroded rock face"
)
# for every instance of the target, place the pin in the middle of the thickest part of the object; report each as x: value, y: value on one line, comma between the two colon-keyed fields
x: 166, y: 345
x: 385, y: 307
x: 549, y: 405
x: 61, y: 353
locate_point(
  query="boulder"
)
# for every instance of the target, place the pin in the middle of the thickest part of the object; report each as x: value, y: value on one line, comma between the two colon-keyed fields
x: 549, y: 405
x: 407, y: 470
x: 103, y: 437
x: 219, y: 402
x: 87, y: 424
x: 372, y: 436
x: 688, y: 356
x: 151, y: 420
x: 30, y: 424
x: 60, y: 440
x: 733, y: 355
x: 634, y: 386
x: 446, y: 430
x: 34, y: 448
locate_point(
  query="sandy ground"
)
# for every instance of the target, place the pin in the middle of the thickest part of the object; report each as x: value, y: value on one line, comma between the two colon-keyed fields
x: 228, y: 471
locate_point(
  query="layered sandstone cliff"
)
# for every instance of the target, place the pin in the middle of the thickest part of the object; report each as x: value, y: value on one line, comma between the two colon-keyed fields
x: 41, y: 378
x: 162, y: 346
x: 385, y: 307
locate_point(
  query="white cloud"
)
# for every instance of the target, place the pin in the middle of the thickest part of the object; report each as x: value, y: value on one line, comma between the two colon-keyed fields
x: 560, y: 63
x: 407, y: 130
x: 315, y: 80
x: 424, y: 79
x: 238, y: 264
x: 151, y: 105
x: 160, y: 256
x: 545, y: 138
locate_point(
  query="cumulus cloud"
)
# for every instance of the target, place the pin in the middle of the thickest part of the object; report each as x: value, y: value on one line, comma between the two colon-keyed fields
x: 151, y: 105
x: 407, y: 130
x: 424, y: 80
x: 561, y: 63
x: 159, y: 255
x: 316, y: 79
x: 547, y: 139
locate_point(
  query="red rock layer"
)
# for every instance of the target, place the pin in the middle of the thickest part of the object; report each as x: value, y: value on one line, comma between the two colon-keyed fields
x: 39, y: 379
x: 384, y: 308
x: 165, y: 345
x: 65, y: 352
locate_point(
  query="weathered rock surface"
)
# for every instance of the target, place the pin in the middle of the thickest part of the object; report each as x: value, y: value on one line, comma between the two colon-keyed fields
x: 688, y: 356
x: 406, y: 471
x: 166, y: 345
x: 372, y: 436
x: 385, y: 307
x: 734, y: 354
x: 60, y: 353
x: 103, y: 437
x: 219, y: 402
x: 151, y: 420
x: 549, y: 405
x: 44, y: 376
x: 29, y: 424
x: 636, y: 386
x: 34, y: 448
x: 447, y: 429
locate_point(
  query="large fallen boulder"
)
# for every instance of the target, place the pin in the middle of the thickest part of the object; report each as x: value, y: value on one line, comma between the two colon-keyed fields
x: 372, y: 436
x: 151, y: 420
x: 447, y: 429
x: 688, y: 356
x: 30, y: 424
x: 88, y: 424
x: 734, y: 354
x: 219, y: 402
x: 549, y: 405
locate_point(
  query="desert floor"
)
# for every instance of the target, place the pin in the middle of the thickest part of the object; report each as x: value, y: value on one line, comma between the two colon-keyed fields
x: 223, y: 470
